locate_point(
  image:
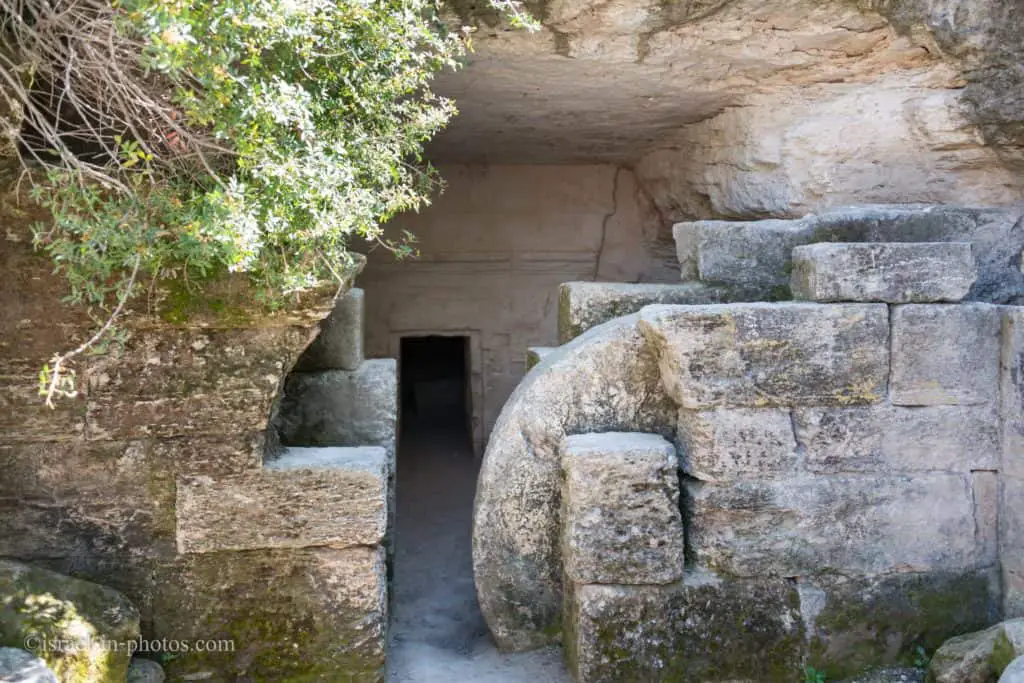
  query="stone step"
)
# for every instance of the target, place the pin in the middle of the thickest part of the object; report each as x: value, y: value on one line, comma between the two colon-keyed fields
x: 583, y: 305
x: 339, y: 345
x: 753, y: 259
x: 341, y: 407
x: 888, y: 272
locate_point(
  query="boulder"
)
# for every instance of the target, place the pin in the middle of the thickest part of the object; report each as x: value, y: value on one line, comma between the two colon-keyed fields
x: 944, y: 354
x: 83, y: 631
x: 603, y: 381
x: 621, y: 522
x: 19, y: 666
x: 1014, y: 673
x: 760, y: 355
x: 889, y: 272
x: 145, y: 671
x: 978, y: 657
x: 582, y: 305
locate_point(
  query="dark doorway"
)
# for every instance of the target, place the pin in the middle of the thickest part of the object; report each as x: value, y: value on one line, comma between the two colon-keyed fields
x: 435, y: 388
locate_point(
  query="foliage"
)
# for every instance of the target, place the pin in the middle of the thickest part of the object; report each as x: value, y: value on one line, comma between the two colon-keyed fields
x: 186, y: 138
x: 812, y: 675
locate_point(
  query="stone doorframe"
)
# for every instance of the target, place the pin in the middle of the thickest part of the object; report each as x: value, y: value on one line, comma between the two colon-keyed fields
x: 474, y: 370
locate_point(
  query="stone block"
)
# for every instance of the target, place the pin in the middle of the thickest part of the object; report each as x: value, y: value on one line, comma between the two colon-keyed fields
x: 886, y: 438
x: 848, y: 523
x: 621, y: 518
x: 1011, y: 391
x: 310, y: 614
x: 83, y: 631
x: 339, y: 345
x: 717, y: 445
x: 583, y: 305
x: 762, y: 355
x: 1011, y: 543
x: 890, y: 272
x: 536, y: 354
x: 859, y: 623
x: 752, y: 258
x: 308, y: 497
x: 945, y: 354
x: 341, y: 407
x: 700, y: 629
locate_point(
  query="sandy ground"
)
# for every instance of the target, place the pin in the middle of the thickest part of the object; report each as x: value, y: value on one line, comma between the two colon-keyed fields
x: 437, y: 632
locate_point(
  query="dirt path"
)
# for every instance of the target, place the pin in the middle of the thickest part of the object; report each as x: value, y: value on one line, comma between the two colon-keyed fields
x: 437, y: 632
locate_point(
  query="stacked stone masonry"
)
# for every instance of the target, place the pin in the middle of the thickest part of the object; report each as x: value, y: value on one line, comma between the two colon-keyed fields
x: 846, y: 466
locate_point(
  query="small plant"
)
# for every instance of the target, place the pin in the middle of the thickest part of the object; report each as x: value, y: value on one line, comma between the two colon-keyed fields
x: 812, y: 675
x: 921, y: 658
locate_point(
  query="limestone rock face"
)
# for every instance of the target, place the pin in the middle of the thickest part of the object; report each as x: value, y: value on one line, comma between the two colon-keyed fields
x: 339, y: 345
x: 761, y: 355
x: 69, y: 623
x: 887, y: 272
x: 620, y: 519
x: 19, y: 666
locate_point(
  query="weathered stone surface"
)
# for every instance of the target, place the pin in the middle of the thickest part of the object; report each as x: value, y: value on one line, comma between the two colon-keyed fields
x: 311, y: 614
x: 1014, y: 673
x: 860, y: 623
x: 850, y: 523
x: 885, y: 438
x: 1009, y: 644
x: 752, y: 257
x: 996, y: 236
x: 339, y: 346
x: 308, y: 497
x: 341, y: 407
x: 145, y: 671
x: 535, y: 354
x: 621, y: 522
x: 702, y: 629
x: 1011, y: 543
x: 966, y: 658
x: 945, y: 354
x: 582, y: 305
x: 19, y: 666
x: 761, y: 355
x: 1011, y: 503
x: 82, y: 630
x: 890, y: 272
x: 605, y: 380
x: 716, y: 445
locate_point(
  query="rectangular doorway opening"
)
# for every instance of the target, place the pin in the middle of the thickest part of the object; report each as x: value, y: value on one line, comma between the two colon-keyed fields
x: 434, y: 376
